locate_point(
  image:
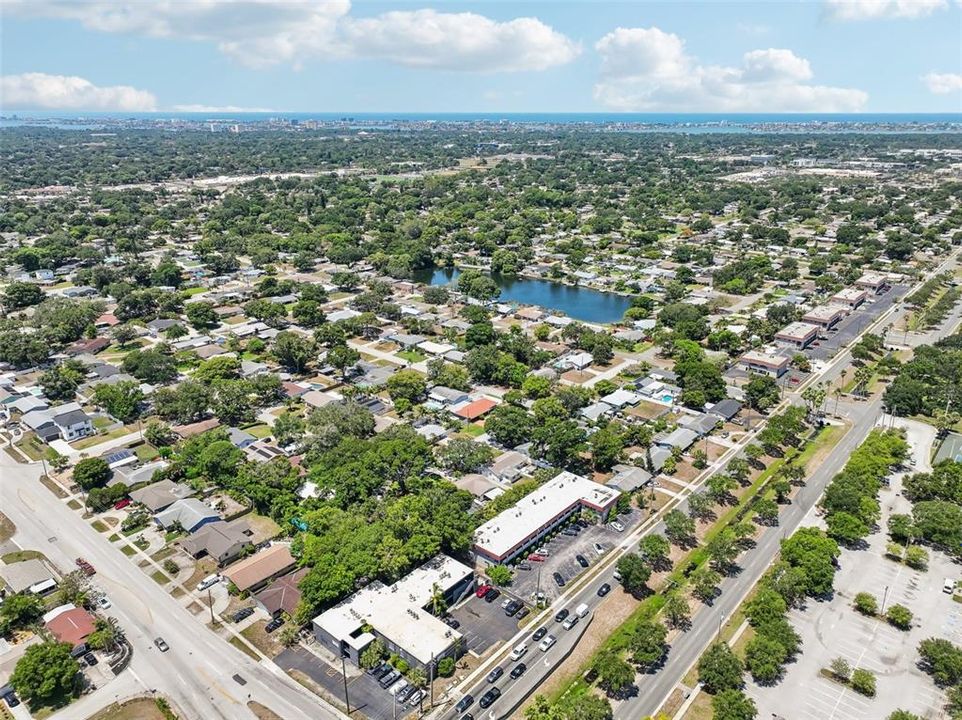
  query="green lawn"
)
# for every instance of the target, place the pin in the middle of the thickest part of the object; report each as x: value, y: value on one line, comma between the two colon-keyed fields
x: 128, y: 550
x: 260, y: 430
x: 411, y: 355
x: 21, y: 555
x: 159, y: 577
x: 97, y: 439
x: 99, y: 526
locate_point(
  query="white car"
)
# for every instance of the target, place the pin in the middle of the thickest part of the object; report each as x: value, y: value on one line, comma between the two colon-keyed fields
x: 600, y: 549
x: 103, y: 602
x: 519, y: 651
x: 547, y: 643
x: 207, y: 582
x: 617, y: 526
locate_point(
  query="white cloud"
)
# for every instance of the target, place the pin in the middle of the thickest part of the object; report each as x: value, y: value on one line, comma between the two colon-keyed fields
x: 943, y: 83
x: 877, y: 9
x: 458, y: 41
x: 65, y: 92
x: 220, y: 109
x: 260, y: 33
x: 647, y: 69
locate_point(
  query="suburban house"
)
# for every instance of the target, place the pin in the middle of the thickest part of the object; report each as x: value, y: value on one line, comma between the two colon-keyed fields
x: 67, y: 421
x: 255, y: 571
x: 160, y: 495
x: 69, y: 624
x: 32, y: 576
x: 189, y: 513
x: 219, y: 540
x: 281, y: 594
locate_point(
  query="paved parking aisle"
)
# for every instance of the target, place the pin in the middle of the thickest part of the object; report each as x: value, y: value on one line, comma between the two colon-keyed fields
x: 483, y: 624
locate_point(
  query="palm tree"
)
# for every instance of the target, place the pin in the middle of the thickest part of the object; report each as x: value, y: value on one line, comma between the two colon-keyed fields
x: 838, y: 394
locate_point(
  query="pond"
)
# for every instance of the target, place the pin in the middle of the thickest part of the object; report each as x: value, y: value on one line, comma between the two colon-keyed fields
x: 580, y: 303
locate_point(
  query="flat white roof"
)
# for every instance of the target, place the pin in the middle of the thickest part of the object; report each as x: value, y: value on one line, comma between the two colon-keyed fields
x: 827, y: 312
x: 797, y: 331
x: 396, y: 611
x: 850, y: 294
x: 511, y: 528
x: 753, y: 356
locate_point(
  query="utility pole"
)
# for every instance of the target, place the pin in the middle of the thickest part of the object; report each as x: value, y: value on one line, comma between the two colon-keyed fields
x: 347, y: 700
x: 210, y: 605
x: 884, y: 596
x: 431, y: 679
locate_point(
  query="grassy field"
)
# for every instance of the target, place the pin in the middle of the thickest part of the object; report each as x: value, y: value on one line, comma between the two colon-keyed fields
x: 21, y: 555
x: 97, y: 439
x: 139, y: 709
x: 411, y: 355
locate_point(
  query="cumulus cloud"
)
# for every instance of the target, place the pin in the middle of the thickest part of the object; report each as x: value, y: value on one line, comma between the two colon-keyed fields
x: 458, y: 41
x: 877, y: 9
x: 38, y: 91
x: 943, y: 83
x: 647, y: 69
x: 261, y: 33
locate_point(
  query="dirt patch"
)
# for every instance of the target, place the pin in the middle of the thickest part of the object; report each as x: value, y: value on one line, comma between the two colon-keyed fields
x: 270, y: 645
x: 243, y: 647
x: 53, y: 486
x: 7, y: 528
x: 262, y: 712
x: 139, y: 709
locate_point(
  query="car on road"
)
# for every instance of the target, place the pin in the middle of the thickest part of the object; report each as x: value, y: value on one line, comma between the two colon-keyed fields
x: 161, y: 644
x: 539, y: 633
x: 519, y: 650
x: 617, y: 526
x: 90, y: 659
x: 518, y: 670
x: 599, y: 548
x: 242, y: 614
x: 561, y: 615
x: 103, y: 602
x: 491, y: 595
x: 582, y: 560
x: 558, y: 579
x: 464, y: 703
x: 604, y: 590
x: 547, y: 643
x: 85, y: 567
x: 511, y: 608
x: 489, y: 697
x: 570, y: 622
x: 494, y: 675
x: 273, y: 625
x: 482, y: 589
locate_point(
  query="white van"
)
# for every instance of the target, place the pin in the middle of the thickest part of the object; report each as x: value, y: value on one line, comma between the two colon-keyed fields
x: 208, y: 582
x: 948, y: 586
x: 581, y: 610
x: 519, y: 651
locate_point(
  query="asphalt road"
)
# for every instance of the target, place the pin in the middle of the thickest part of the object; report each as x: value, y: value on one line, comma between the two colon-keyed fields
x: 196, y: 674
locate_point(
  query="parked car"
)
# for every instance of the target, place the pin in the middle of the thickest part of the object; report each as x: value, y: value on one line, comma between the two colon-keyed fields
x: 948, y: 586
x: 524, y: 566
x: 379, y: 671
x: 539, y: 633
x: 495, y: 674
x: 389, y: 679
x: 242, y: 613
x: 273, y: 625
x: 558, y: 579
x: 121, y: 504
x: 581, y: 522
x: 161, y: 644
x: 512, y: 608
x: 464, y: 703
x: 90, y: 659
x: 452, y: 623
x: 416, y: 697
x: 482, y: 589
x: 406, y: 693
x: 600, y: 549
x: 10, y: 697
x: 103, y: 602
x: 523, y: 613
x: 489, y: 697
x: 582, y: 560
x: 399, y: 687
x: 492, y: 594
x: 569, y: 532
x: 85, y: 567
x: 207, y: 582
x: 561, y: 615
x: 535, y: 557
x: 547, y: 643
x: 604, y: 590
x: 518, y: 670
x: 617, y: 526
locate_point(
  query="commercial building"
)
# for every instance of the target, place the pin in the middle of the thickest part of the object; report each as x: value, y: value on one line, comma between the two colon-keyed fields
x: 825, y: 316
x: 798, y: 335
x: 764, y: 363
x: 399, y: 615
x: 509, y: 534
x: 875, y: 282
x: 850, y: 297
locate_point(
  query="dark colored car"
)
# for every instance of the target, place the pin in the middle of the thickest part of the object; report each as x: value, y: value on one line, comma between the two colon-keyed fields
x: 90, y: 659
x: 379, y: 671
x: 581, y: 523
x: 604, y: 590
x: 407, y: 692
x: 489, y: 697
x: 495, y: 674
x: 389, y: 679
x: 492, y: 595
x: 464, y: 703
x: 452, y: 623
x: 273, y: 625
x: 524, y: 566
x: 561, y: 615
x: 518, y: 670
x: 523, y: 613
x: 512, y: 608
x: 242, y: 613
x: 558, y: 579
x: 582, y: 560
x: 569, y: 532
x: 539, y: 633
x: 11, y: 699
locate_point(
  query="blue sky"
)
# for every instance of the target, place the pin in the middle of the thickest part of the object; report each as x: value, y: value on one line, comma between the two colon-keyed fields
x: 338, y: 56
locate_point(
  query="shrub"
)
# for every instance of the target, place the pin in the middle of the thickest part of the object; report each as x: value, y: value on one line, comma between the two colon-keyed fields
x: 170, y: 567
x: 917, y: 558
x: 899, y: 616
x: 841, y: 669
x: 863, y: 682
x: 446, y: 667
x: 866, y: 603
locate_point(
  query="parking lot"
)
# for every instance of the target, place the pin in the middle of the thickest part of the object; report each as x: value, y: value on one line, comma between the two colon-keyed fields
x: 834, y: 629
x: 484, y: 624
x: 563, y: 551
x: 851, y: 325
x: 364, y: 692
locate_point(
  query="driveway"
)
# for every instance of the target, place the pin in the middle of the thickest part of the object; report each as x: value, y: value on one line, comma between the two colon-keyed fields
x: 484, y: 624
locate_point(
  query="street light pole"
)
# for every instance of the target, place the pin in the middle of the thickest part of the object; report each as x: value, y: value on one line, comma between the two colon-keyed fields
x: 884, y: 596
x: 347, y: 700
